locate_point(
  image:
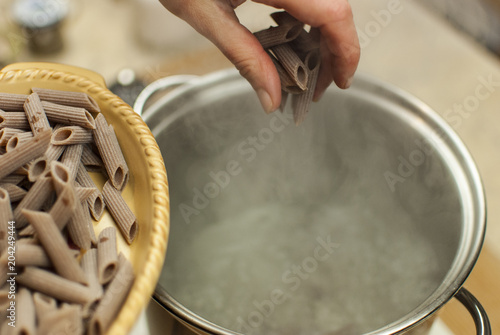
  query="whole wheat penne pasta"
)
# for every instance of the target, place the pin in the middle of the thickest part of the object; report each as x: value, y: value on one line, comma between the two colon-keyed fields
x: 34, y: 199
x: 43, y: 305
x: 74, y: 116
x: 41, y: 165
x: 31, y: 255
x: 283, y: 17
x: 113, y: 298
x: 37, y: 168
x: 120, y: 211
x: 95, y: 201
x: 110, y: 152
x: 24, y: 153
x: 61, y: 211
x: 287, y: 83
x: 27, y: 231
x: 78, y: 227
x: 55, y: 246
x: 284, y: 99
x: 15, y: 192
x: 7, y: 133
x: 71, y: 135
x: 66, y: 320
x: 90, y: 159
x: 93, y: 237
x: 301, y: 102
x: 18, y: 139
x: 35, y: 114
x: 53, y: 285
x: 123, y: 163
x: 96, y: 204
x: 107, y: 255
x: 25, y: 320
x: 74, y: 99
x: 274, y: 36
x: 12, y: 179
x: 16, y: 120
x: 89, y: 266
x: 60, y: 175
x: 6, y: 215
x: 83, y: 193
x: 49, y: 202
x: 12, y: 102
x: 54, y: 152
x: 306, y: 42
x: 23, y: 171
x: 292, y: 64
x: 64, y: 207
x: 71, y: 158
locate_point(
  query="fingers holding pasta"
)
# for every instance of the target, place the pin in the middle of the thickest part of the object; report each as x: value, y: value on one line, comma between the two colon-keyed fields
x: 339, y: 40
x: 216, y: 20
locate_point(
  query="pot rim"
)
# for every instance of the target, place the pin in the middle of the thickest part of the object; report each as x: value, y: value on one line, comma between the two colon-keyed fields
x: 474, y: 230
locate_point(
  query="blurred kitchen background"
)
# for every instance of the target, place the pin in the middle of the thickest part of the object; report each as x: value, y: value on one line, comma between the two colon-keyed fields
x: 438, y: 50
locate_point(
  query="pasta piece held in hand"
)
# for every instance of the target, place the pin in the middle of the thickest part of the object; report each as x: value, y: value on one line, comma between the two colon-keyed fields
x: 301, y: 102
x: 274, y: 36
x: 292, y: 64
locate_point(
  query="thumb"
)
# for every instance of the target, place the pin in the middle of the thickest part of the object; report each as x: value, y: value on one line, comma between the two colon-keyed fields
x: 253, y: 63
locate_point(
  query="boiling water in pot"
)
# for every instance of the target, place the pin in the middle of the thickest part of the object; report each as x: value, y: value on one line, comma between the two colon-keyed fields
x: 295, y: 230
x: 278, y: 270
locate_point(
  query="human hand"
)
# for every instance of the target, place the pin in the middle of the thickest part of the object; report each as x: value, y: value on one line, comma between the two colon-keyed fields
x: 216, y: 20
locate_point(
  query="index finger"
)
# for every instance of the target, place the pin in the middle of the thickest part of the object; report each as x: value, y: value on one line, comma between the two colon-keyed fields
x: 335, y: 20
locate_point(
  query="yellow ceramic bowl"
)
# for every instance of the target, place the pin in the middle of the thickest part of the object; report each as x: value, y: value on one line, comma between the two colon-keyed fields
x: 147, y: 190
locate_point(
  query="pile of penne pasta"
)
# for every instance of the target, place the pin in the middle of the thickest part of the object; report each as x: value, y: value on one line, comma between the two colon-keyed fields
x: 295, y: 53
x: 67, y: 279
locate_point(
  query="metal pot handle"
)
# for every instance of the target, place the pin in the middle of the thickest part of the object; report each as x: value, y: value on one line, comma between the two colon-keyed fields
x: 477, y: 311
x: 158, y: 85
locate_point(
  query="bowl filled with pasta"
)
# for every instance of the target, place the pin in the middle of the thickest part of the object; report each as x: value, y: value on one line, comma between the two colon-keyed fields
x: 84, y: 204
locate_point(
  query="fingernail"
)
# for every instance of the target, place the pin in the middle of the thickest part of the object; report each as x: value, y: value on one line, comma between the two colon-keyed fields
x: 265, y: 100
x: 348, y: 82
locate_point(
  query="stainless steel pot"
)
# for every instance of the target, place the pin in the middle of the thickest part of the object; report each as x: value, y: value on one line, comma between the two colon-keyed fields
x: 374, y: 195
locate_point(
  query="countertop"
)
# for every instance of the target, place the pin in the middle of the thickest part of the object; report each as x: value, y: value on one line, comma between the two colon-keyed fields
x: 411, y: 48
